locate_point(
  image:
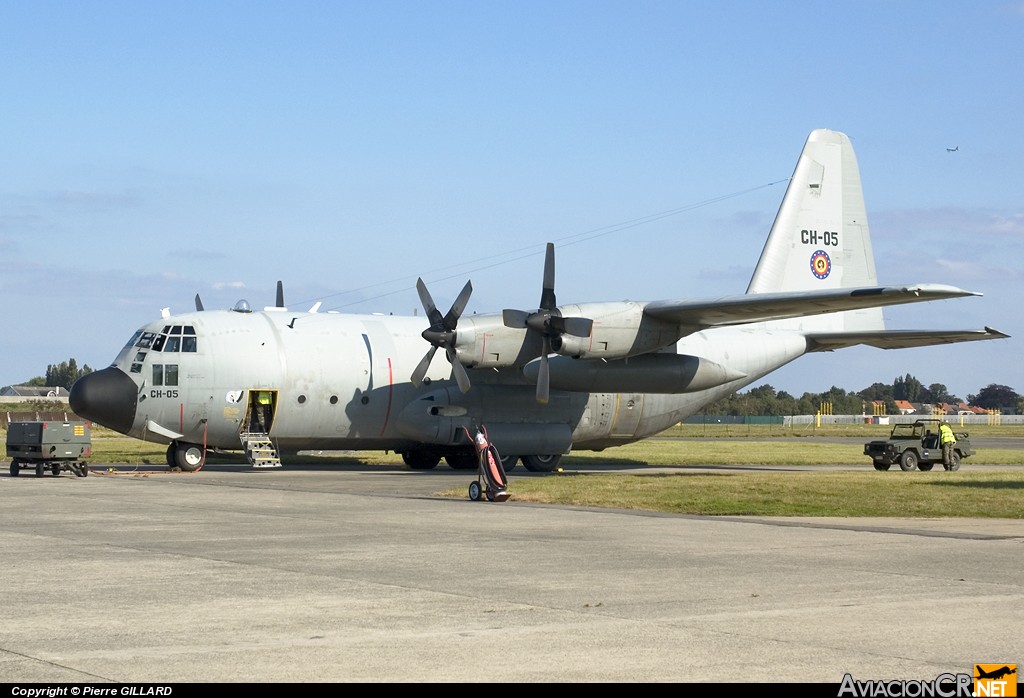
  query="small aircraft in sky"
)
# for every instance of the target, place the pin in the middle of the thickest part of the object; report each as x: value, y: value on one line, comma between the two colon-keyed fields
x: 952, y: 150
x: 543, y: 381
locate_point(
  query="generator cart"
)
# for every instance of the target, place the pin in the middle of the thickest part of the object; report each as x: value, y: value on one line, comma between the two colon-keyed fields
x: 49, y: 446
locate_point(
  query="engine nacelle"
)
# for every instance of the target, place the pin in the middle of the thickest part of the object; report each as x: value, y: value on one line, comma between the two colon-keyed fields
x: 621, y: 329
x: 567, y: 345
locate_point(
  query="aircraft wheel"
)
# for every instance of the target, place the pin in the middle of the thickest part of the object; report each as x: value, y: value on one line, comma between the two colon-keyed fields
x: 882, y: 465
x: 421, y: 459
x: 474, y: 491
x: 908, y: 461
x: 509, y: 463
x: 461, y: 460
x: 188, y: 457
x: 15, y: 468
x: 40, y: 469
x: 171, y: 450
x: 954, y: 461
x: 925, y: 466
x: 542, y: 464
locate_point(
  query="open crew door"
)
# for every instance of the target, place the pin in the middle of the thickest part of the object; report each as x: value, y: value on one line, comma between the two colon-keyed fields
x: 255, y: 434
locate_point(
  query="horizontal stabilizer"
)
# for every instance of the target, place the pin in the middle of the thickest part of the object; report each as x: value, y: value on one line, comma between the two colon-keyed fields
x: 762, y: 307
x: 899, y: 339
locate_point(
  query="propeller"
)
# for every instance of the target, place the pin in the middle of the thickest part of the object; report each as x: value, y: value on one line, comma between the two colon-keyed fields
x: 547, y: 321
x: 441, y: 334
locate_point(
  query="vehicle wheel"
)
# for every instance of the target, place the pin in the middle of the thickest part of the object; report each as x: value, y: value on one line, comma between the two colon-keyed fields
x: 908, y: 461
x: 40, y: 469
x: 55, y: 469
x: 925, y: 466
x: 15, y: 468
x: 509, y: 463
x: 461, y: 460
x: 474, y: 491
x: 188, y: 457
x: 882, y: 465
x: 542, y: 464
x: 954, y: 461
x: 421, y: 458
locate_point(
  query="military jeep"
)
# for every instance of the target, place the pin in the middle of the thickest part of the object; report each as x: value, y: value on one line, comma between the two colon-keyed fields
x: 916, y: 446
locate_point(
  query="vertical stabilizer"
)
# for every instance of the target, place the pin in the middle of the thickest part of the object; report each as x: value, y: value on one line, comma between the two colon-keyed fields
x: 820, y: 238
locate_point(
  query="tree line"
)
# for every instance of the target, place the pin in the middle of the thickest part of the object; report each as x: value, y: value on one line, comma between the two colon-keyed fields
x: 60, y: 375
x: 765, y: 400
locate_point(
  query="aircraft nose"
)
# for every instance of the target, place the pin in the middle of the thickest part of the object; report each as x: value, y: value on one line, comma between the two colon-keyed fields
x: 108, y: 397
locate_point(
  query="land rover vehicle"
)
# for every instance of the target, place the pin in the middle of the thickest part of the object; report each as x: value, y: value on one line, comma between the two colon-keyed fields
x: 916, y: 446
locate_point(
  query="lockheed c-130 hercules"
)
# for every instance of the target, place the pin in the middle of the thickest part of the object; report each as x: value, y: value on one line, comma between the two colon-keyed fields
x: 544, y: 381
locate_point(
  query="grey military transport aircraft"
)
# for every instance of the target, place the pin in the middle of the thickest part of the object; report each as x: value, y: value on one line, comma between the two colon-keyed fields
x: 544, y: 381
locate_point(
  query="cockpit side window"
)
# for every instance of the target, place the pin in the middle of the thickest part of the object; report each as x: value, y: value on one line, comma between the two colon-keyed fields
x: 128, y: 347
x: 146, y: 340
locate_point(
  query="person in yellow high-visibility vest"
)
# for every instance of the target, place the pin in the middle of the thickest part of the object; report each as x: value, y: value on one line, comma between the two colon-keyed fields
x: 947, y: 439
x: 263, y: 411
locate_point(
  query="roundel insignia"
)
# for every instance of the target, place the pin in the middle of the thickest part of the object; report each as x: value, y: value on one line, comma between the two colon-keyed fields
x: 821, y: 264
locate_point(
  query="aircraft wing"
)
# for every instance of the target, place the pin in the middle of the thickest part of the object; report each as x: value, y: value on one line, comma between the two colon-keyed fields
x: 760, y: 307
x: 898, y: 339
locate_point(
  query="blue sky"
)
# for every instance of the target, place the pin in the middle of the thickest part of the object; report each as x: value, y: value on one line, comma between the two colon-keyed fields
x: 153, y: 151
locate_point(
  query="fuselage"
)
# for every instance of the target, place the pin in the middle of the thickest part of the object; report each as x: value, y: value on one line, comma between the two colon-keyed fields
x: 341, y: 381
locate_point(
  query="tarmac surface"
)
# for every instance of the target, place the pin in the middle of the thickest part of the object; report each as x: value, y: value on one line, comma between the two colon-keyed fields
x: 335, y: 573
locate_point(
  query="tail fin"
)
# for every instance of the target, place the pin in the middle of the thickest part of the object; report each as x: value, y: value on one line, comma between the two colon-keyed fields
x: 820, y: 237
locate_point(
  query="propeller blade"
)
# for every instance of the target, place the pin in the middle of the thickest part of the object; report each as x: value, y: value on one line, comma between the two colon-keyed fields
x: 422, y: 366
x: 453, y: 315
x: 280, y: 294
x: 433, y: 314
x: 577, y: 326
x: 458, y: 370
x: 442, y: 334
x: 547, y: 296
x: 199, y: 303
x: 515, y: 319
x: 543, y: 380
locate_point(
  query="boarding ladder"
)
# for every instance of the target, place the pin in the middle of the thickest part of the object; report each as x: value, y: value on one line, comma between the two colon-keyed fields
x: 260, y: 450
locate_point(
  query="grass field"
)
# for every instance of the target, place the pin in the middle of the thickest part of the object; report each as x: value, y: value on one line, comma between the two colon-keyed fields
x: 975, y: 491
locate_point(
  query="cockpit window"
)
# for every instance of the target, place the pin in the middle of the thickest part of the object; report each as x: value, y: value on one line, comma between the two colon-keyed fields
x: 175, y: 338
x: 135, y: 337
x: 146, y: 340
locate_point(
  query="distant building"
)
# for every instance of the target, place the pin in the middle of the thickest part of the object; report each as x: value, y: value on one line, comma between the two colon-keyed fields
x: 31, y: 392
x: 905, y: 407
